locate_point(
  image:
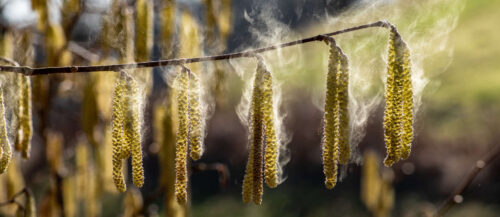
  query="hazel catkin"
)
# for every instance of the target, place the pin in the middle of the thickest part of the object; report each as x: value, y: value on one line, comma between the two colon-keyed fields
x: 26, y: 127
x: 4, y: 140
x: 343, y: 100
x: 398, y: 115
x: 330, y: 132
x: 336, y: 148
x: 118, y: 116
x: 181, y: 148
x: 133, y: 131
x: 271, y: 141
x: 195, y: 118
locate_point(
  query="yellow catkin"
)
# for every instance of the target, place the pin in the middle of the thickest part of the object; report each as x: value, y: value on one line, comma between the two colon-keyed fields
x: 41, y: 7
x: 118, y: 142
x: 106, y: 168
x: 189, y: 39
x: 55, y: 42
x: 181, y: 148
x: 54, y: 150
x: 132, y: 203
x: 89, y: 114
x: 247, y: 192
x: 6, y: 44
x: 224, y: 20
x: 167, y: 20
x: 330, y: 131
x: 398, y: 116
x: 271, y: 142
x: 133, y: 131
x: 252, y: 181
x: 24, y: 55
x: 26, y: 127
x: 144, y: 41
x: 126, y: 43
x: 343, y: 100
x: 144, y: 29
x: 371, y: 180
x: 4, y: 140
x: 30, y: 206
x: 164, y: 129
x: 195, y: 118
x: 69, y: 194
x: 407, y: 101
x: 15, y: 180
x: 82, y: 167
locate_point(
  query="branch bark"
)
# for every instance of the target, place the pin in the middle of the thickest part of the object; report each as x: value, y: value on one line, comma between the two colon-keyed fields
x: 26, y: 70
x: 456, y: 196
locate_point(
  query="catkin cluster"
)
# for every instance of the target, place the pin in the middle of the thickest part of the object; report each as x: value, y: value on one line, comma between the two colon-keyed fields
x: 398, y: 116
x: 336, y: 147
x: 126, y: 133
x: 189, y: 129
x: 262, y: 136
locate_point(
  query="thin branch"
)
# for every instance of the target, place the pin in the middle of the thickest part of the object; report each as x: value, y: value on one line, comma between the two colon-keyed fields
x: 26, y: 70
x: 456, y: 196
x: 9, y: 61
x: 12, y: 200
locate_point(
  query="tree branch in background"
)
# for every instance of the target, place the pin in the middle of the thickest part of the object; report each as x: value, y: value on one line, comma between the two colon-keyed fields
x: 26, y: 70
x: 12, y: 200
x: 456, y: 197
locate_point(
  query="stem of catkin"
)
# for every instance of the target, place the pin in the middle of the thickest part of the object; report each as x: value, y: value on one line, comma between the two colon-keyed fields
x: 181, y: 176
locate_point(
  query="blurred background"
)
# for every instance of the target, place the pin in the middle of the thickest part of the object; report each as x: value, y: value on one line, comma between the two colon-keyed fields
x: 455, y: 78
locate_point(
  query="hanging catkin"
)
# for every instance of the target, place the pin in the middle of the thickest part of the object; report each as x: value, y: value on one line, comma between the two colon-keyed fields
x: 330, y: 150
x: 398, y: 116
x: 195, y: 118
x: 262, y: 132
x: 4, y: 140
x: 189, y: 46
x: 167, y: 20
x: 24, y: 55
x: 343, y: 100
x: 144, y: 42
x: 336, y: 148
x: 118, y: 141
x: 133, y: 131
x: 26, y: 128
x: 407, y: 101
x: 181, y: 148
x: 271, y: 141
x: 256, y: 143
x: 30, y: 206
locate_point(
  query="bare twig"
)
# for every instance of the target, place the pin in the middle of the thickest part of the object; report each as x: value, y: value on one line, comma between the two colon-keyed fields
x: 9, y: 61
x: 82, y: 52
x: 12, y: 200
x: 456, y: 196
x: 26, y: 70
